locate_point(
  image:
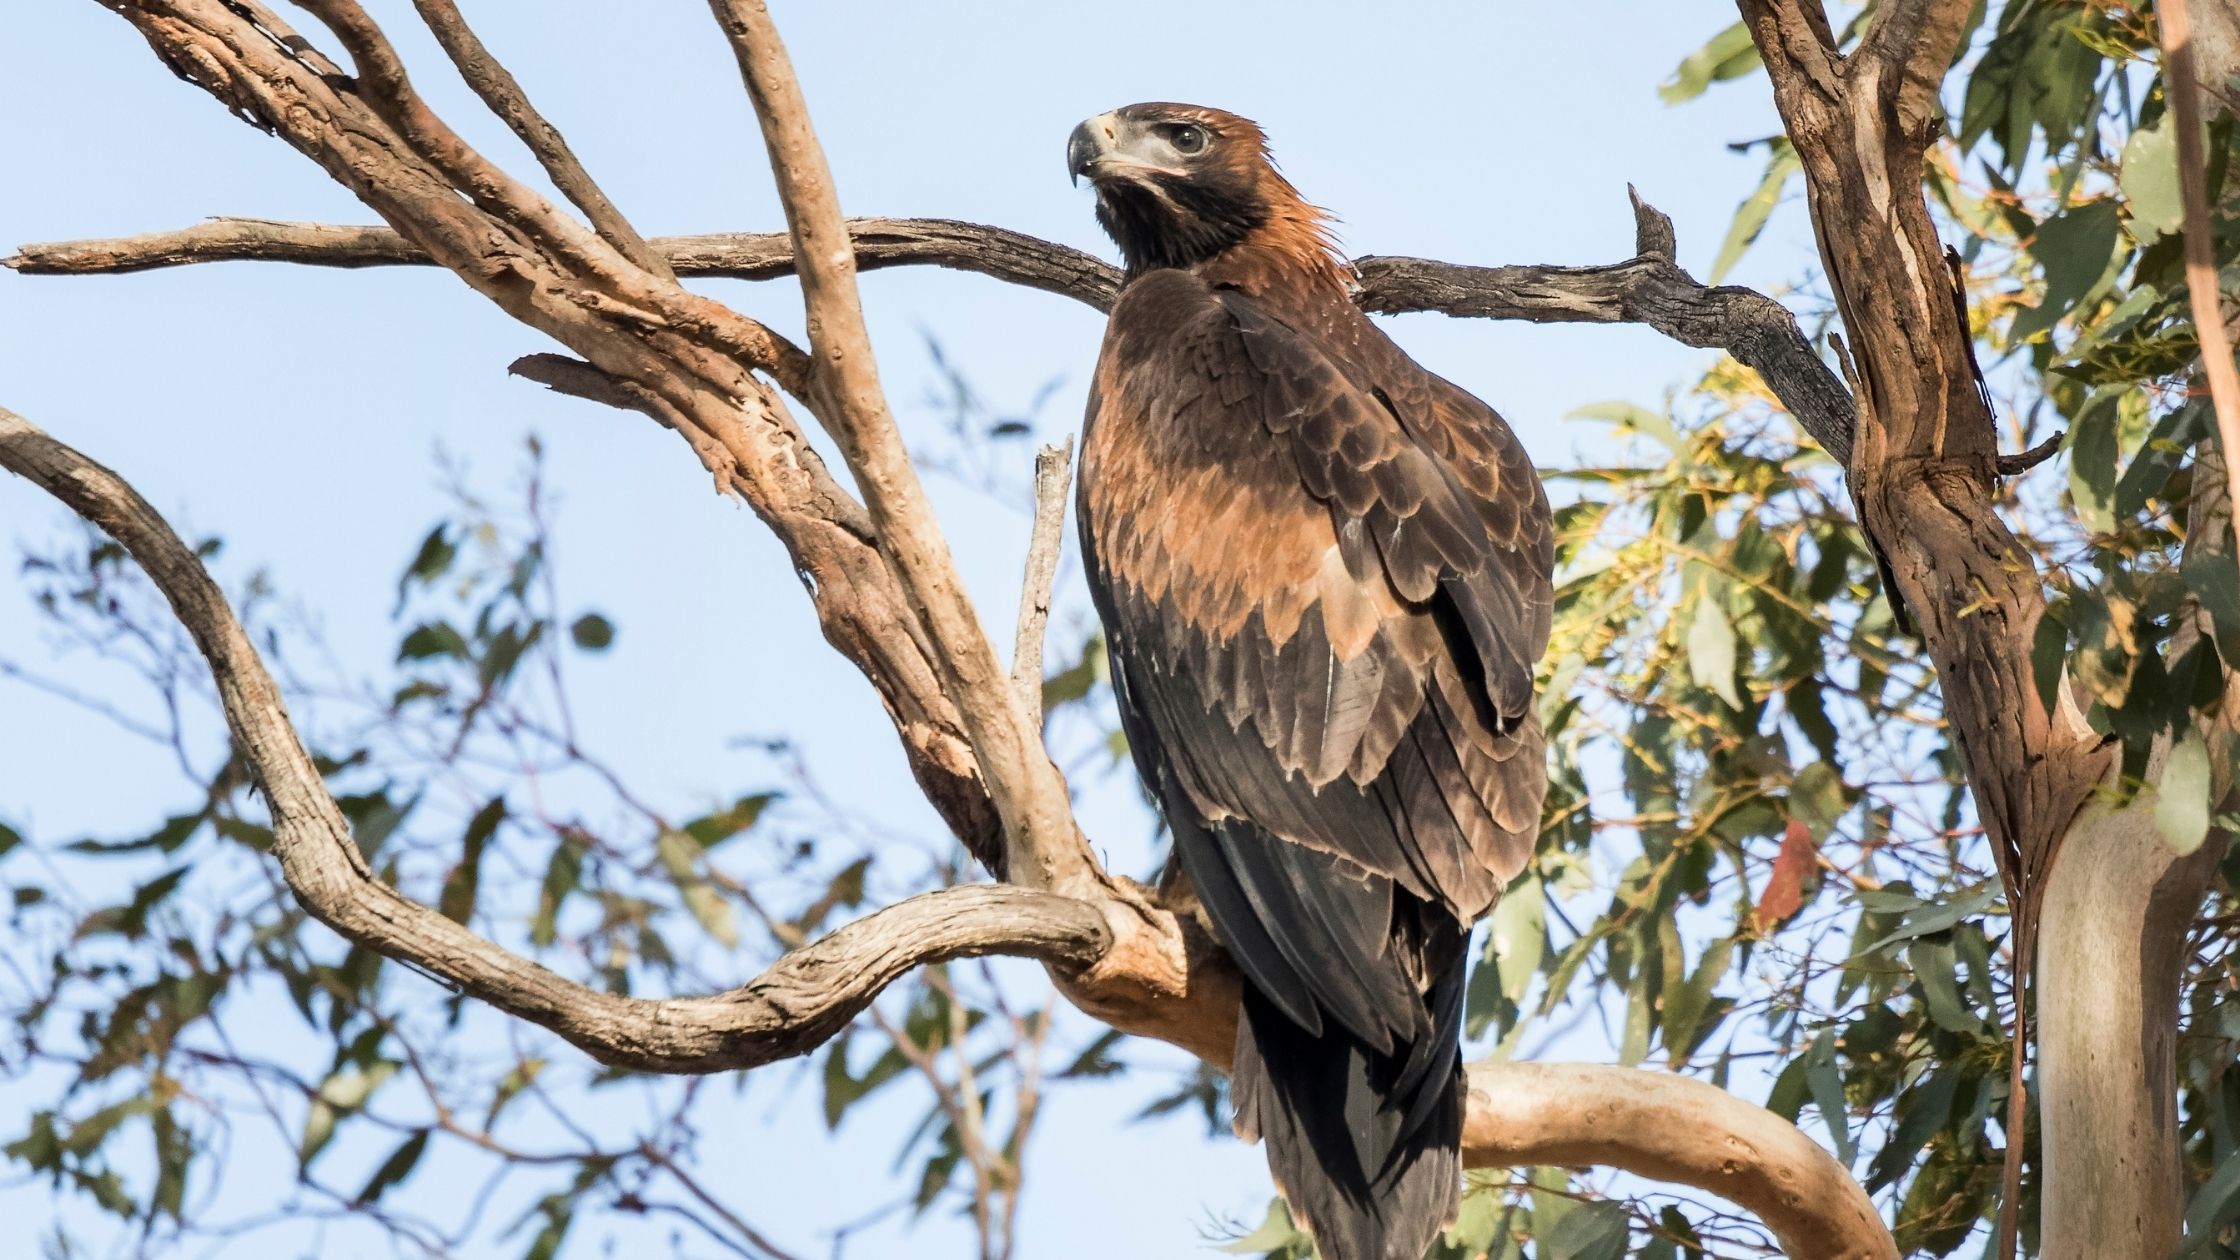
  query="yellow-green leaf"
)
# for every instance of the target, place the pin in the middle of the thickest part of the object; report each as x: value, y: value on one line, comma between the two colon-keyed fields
x: 2181, y: 808
x: 1711, y: 651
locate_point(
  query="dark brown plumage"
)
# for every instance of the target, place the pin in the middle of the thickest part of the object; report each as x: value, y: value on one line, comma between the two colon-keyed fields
x: 1324, y: 577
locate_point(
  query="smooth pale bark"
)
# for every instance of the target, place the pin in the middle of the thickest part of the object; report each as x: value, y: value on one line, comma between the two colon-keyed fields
x: 1674, y: 1129
x: 2112, y: 939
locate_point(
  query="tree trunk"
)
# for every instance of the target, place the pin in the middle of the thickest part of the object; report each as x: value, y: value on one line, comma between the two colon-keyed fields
x: 2117, y: 909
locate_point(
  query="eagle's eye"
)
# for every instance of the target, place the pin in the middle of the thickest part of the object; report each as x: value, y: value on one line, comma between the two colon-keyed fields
x: 1188, y: 139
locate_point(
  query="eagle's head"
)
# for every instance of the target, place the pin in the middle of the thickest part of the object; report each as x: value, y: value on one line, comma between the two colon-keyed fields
x: 1178, y: 185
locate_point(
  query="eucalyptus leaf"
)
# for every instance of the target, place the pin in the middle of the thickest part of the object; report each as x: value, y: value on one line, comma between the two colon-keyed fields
x: 1591, y: 1231
x: 1730, y: 54
x: 1750, y: 218
x: 1711, y: 651
x: 1520, y: 934
x: 2181, y: 808
x: 1824, y: 1077
x: 2150, y: 179
x: 2073, y: 249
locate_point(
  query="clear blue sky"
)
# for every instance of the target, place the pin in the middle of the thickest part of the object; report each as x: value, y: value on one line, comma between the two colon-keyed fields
x: 295, y: 412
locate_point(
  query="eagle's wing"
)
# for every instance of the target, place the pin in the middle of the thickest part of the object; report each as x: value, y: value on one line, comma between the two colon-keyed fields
x: 1324, y: 590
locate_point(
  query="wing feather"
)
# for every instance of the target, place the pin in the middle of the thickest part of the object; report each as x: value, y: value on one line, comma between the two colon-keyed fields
x: 1324, y: 578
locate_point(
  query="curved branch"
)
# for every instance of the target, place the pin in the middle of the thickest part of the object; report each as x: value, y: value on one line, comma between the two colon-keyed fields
x: 790, y: 1009
x: 1674, y: 1129
x: 1649, y: 289
x: 1665, y: 1127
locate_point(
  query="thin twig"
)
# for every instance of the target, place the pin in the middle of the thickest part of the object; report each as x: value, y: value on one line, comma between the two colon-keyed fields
x: 502, y: 93
x: 2022, y: 462
x: 1052, y: 467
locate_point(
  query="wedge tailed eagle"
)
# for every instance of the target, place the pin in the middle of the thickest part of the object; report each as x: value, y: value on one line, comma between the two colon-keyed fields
x: 1324, y: 576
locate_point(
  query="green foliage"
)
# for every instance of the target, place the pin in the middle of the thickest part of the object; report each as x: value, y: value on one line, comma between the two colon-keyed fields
x: 1730, y: 54
x: 1751, y: 218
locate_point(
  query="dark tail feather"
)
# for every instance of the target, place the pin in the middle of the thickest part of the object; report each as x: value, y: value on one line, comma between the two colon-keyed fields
x: 1365, y: 1146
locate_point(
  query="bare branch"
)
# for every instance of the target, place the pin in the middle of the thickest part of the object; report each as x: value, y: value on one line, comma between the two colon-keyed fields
x: 1673, y: 1129
x: 1051, y: 467
x: 1010, y: 256
x: 790, y: 1009
x: 498, y: 89
x: 2018, y: 464
x: 222, y: 240
x: 1653, y: 236
x: 1758, y: 331
x: 389, y: 92
x: 1044, y: 848
x: 1650, y: 289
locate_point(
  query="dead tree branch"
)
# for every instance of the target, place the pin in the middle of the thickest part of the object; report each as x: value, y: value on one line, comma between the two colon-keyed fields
x: 992, y: 251
x: 792, y: 1008
x: 1649, y: 289
x: 1052, y: 466
x: 499, y: 90
x: 686, y: 358
x: 1043, y: 848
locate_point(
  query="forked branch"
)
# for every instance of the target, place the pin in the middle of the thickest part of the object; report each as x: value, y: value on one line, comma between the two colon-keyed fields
x: 1649, y: 289
x: 795, y: 1006
x: 496, y: 86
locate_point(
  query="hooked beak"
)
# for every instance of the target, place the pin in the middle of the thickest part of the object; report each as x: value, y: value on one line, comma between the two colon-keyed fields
x: 1099, y: 149
x: 1093, y: 141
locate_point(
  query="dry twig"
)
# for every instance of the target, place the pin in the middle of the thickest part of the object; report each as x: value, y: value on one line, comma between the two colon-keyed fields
x: 1045, y: 544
